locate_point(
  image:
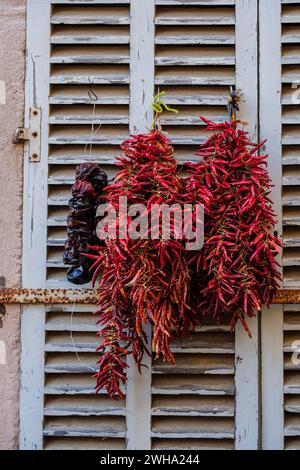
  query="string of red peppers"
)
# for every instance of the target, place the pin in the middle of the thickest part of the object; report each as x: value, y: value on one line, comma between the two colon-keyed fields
x: 141, y: 280
x: 159, y: 281
x: 236, y: 272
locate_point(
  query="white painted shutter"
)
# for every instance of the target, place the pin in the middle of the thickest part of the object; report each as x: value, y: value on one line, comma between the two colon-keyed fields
x: 279, y: 123
x: 89, y: 86
x: 198, y: 49
x: 88, y: 54
x: 290, y: 141
x: 290, y: 37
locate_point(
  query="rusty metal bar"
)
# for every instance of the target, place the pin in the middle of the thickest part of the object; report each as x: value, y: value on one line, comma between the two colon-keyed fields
x: 48, y: 296
x: 89, y: 296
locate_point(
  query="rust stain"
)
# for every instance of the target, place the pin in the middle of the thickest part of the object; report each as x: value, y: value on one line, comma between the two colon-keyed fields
x: 89, y: 296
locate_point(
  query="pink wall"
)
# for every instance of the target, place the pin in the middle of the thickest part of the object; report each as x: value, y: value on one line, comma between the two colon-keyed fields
x: 12, y: 57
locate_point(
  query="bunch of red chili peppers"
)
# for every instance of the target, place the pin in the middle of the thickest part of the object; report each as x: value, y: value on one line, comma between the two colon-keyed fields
x: 236, y: 272
x: 146, y: 279
x: 159, y: 281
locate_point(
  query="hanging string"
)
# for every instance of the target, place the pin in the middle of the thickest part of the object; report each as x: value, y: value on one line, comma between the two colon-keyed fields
x: 159, y: 106
x: 94, y: 100
x: 87, y: 366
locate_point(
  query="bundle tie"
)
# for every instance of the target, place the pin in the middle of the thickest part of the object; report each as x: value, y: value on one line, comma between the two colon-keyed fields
x: 233, y: 103
x: 159, y: 106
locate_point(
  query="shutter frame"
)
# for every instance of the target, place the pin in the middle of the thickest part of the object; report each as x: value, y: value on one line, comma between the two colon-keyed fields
x: 247, y: 350
x: 34, y: 230
x: 270, y: 129
x: 34, y: 318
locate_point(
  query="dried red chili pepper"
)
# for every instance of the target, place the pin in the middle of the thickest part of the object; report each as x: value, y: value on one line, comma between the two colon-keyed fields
x: 236, y: 272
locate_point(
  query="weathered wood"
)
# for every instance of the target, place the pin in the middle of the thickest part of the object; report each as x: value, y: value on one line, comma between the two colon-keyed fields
x: 86, y: 140
x: 195, y: 2
x: 34, y: 229
x: 291, y: 180
x: 90, y: 2
x: 60, y: 39
x: 85, y: 120
x: 90, y: 59
x: 197, y: 364
x: 181, y: 433
x: 76, y: 368
x: 61, y: 431
x: 90, y: 20
x: 185, y: 80
x: 193, y: 406
x: 195, y: 40
x: 82, y: 411
x: 292, y: 426
x: 196, y: 21
x: 192, y: 444
x: 67, y: 389
x: 90, y: 79
x: 202, y: 100
x: 105, y: 158
x: 289, y: 78
x: 103, y: 100
x: 138, y: 398
x: 189, y: 120
x: 293, y: 19
x: 246, y: 349
x: 194, y: 61
x: 79, y: 327
x: 182, y: 411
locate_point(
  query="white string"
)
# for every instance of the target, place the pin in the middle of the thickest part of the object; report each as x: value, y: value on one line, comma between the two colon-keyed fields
x: 73, y: 342
x: 94, y: 99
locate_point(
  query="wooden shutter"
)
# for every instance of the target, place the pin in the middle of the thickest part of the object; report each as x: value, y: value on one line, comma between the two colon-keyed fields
x: 290, y: 141
x: 86, y: 117
x: 279, y: 123
x: 96, y: 64
x: 290, y: 37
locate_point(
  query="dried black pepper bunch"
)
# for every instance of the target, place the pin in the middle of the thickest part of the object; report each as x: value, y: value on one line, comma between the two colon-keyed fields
x: 87, y: 194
